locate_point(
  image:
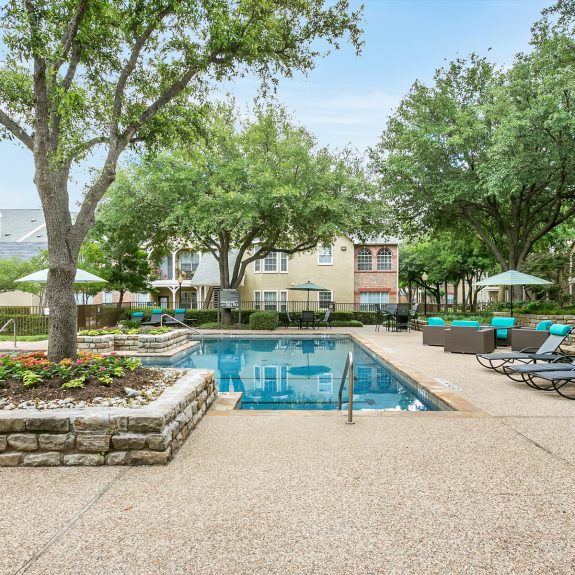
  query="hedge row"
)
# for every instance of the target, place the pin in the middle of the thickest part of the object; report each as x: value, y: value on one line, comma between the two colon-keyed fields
x: 267, y: 320
x: 211, y: 315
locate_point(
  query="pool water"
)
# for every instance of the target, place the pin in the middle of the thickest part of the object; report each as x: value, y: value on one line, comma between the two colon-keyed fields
x: 291, y: 373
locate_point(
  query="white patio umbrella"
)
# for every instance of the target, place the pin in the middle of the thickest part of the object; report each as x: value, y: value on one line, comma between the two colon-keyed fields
x: 513, y: 278
x: 81, y: 277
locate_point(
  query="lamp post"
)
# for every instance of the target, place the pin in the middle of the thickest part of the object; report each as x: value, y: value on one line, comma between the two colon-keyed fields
x: 424, y: 277
x: 180, y: 279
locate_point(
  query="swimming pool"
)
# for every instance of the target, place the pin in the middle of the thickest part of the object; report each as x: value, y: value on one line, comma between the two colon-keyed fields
x: 301, y: 373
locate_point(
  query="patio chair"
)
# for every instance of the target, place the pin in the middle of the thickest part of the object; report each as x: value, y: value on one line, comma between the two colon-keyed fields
x: 434, y: 331
x: 402, y: 318
x: 290, y: 320
x: 468, y: 337
x: 156, y: 318
x: 307, y: 317
x: 327, y: 319
x: 179, y: 318
x: 503, y: 330
x: 522, y: 337
x: 563, y: 382
x: 527, y: 373
x: 137, y: 316
x: 548, y: 351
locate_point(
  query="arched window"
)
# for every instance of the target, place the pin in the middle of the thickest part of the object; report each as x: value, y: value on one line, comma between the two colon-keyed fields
x: 384, y: 260
x: 364, y: 260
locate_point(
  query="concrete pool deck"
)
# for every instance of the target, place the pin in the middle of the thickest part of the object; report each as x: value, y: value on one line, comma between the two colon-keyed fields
x: 265, y: 493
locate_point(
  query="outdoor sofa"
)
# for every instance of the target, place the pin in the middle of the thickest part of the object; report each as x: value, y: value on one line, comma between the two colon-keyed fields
x: 468, y: 337
x: 433, y: 332
x: 522, y: 337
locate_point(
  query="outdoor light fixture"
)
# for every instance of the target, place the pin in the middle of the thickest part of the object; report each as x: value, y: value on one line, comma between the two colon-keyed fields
x: 424, y: 277
x: 343, y: 248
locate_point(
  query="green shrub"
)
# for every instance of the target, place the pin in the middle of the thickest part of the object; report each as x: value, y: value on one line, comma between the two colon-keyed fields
x: 216, y: 325
x: 267, y: 320
x: 347, y: 323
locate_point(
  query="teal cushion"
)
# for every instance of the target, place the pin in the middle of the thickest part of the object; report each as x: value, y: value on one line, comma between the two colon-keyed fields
x: 180, y: 310
x: 138, y: 314
x: 465, y: 323
x: 435, y: 321
x: 160, y: 310
x: 560, y: 329
x: 544, y: 325
x: 503, y: 322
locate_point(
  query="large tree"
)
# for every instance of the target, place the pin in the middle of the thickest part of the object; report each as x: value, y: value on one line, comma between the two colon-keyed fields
x: 263, y: 187
x: 495, y: 149
x: 80, y: 75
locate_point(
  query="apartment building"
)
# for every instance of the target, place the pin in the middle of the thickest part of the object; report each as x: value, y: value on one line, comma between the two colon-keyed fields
x: 364, y: 273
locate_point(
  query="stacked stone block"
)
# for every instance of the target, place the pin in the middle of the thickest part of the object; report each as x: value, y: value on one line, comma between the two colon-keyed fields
x: 108, y: 436
x: 138, y: 343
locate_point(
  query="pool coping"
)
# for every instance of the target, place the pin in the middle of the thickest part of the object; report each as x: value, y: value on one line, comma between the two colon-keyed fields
x: 426, y: 386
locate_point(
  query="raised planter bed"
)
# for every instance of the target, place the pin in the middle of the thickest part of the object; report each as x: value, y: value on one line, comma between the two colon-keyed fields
x: 107, y: 436
x: 136, y: 343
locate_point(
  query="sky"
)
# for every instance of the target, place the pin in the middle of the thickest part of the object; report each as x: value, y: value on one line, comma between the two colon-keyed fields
x: 346, y: 99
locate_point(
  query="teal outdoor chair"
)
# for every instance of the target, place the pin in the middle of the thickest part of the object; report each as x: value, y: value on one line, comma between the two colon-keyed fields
x: 523, y: 337
x: 433, y: 332
x: 156, y: 318
x: 137, y: 316
x: 503, y: 329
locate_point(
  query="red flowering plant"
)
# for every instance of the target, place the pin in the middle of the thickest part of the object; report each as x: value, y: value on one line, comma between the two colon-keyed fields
x: 34, y: 368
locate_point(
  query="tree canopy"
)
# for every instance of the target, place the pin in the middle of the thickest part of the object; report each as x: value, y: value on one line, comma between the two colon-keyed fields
x: 83, y: 75
x: 263, y: 187
x: 489, y: 147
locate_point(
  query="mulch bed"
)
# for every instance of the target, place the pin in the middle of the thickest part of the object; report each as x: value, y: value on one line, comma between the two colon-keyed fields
x: 50, y: 388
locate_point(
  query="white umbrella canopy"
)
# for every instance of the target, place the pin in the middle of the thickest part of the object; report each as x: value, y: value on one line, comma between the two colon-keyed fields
x: 81, y: 277
x: 513, y: 278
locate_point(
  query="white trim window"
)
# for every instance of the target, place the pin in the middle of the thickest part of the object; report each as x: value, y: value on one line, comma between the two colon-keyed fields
x: 257, y: 299
x: 369, y: 299
x: 283, y: 300
x: 324, y: 299
x: 141, y: 297
x: 283, y: 262
x: 107, y: 297
x: 325, y: 256
x: 271, y: 263
x: 384, y: 260
x: 257, y: 266
x: 364, y: 260
x: 270, y: 300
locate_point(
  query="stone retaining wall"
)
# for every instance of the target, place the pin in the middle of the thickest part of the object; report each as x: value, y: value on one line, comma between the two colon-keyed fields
x: 531, y: 320
x: 108, y: 436
x: 139, y: 343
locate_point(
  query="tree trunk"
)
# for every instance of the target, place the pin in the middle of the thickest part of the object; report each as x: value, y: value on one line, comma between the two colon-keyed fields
x: 463, y: 301
x: 121, y: 299
x: 62, y: 305
x: 445, y: 288
x: 455, y: 296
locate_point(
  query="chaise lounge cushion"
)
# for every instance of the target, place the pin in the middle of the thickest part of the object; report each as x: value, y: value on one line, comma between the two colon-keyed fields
x: 435, y: 321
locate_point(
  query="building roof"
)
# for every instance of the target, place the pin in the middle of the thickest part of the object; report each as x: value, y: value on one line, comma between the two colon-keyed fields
x: 208, y: 270
x: 23, y: 226
x: 21, y: 250
x: 377, y: 241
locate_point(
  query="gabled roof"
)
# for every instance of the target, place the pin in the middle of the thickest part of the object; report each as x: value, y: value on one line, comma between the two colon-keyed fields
x: 23, y: 226
x: 208, y: 270
x: 21, y: 250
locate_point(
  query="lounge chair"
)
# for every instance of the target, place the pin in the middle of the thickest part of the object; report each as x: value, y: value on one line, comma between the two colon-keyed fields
x: 468, y: 337
x: 156, y: 318
x: 402, y: 318
x: 548, y: 351
x: 503, y: 329
x: 522, y: 337
x: 307, y: 317
x: 327, y: 319
x: 527, y: 373
x: 137, y: 316
x: 179, y: 318
x: 563, y: 382
x: 434, y: 331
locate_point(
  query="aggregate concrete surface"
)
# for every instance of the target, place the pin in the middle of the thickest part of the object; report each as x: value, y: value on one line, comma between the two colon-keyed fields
x: 266, y: 493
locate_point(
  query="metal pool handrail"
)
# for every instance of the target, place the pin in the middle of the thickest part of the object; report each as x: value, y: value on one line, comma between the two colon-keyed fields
x: 348, y: 368
x: 10, y: 321
x: 184, y: 324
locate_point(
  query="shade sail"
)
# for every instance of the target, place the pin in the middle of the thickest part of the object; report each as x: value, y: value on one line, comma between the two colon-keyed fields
x: 81, y: 277
x: 513, y: 278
